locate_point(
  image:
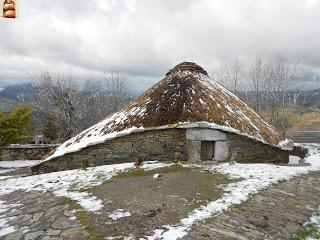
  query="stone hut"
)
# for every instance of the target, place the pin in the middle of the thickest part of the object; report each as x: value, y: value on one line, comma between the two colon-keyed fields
x: 186, y: 116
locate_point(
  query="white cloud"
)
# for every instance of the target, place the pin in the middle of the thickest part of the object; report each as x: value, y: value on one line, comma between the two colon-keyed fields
x: 146, y: 38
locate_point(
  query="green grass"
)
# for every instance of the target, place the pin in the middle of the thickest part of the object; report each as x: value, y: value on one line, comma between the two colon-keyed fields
x: 138, y: 173
x: 83, y: 219
x: 311, y: 230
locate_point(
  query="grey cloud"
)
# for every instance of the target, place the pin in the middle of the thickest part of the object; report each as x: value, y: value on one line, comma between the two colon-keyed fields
x: 145, y: 38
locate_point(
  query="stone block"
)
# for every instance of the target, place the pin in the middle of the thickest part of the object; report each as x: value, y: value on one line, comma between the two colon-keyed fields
x: 196, y: 134
x: 221, y: 151
x: 194, y: 151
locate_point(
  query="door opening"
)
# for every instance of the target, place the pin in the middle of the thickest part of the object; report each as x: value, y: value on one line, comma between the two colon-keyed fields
x: 207, y: 150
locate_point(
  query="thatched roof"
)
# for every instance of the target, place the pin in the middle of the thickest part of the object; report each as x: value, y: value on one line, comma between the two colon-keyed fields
x: 186, y: 95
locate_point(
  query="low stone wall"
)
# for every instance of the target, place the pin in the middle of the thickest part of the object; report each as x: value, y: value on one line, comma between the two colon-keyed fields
x: 162, y: 145
x: 246, y: 150
x: 25, y: 152
x: 154, y: 145
x: 305, y: 136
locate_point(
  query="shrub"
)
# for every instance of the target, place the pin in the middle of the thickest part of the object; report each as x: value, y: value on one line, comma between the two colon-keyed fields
x: 138, y: 163
x: 177, y: 158
x: 84, y: 164
x: 15, y: 125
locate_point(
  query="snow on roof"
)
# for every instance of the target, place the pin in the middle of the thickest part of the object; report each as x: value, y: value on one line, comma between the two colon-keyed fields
x: 186, y: 95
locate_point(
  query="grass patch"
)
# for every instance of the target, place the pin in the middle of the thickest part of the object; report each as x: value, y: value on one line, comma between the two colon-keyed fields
x: 73, y: 205
x: 84, y: 219
x: 178, y: 192
x: 143, y: 172
x: 138, y: 173
x: 311, y: 230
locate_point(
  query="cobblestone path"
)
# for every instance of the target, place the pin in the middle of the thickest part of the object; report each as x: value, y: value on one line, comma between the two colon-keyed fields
x: 274, y: 214
x: 37, y: 215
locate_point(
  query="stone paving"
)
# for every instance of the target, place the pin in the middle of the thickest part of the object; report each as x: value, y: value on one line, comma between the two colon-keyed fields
x: 38, y: 215
x: 275, y: 214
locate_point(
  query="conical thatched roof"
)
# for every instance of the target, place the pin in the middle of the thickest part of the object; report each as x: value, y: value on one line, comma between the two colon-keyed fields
x: 186, y: 97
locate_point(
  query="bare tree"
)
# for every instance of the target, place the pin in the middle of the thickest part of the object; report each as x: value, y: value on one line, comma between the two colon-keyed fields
x: 235, y: 75
x: 255, y: 79
x: 229, y: 75
x: 57, y: 97
x: 268, y: 82
x: 117, y: 88
x: 278, y: 74
x: 222, y: 75
x: 71, y: 106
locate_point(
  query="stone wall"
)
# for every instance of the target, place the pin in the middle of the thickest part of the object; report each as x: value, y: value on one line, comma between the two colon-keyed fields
x: 195, y: 136
x: 163, y: 145
x: 25, y: 152
x: 246, y: 150
x: 153, y: 145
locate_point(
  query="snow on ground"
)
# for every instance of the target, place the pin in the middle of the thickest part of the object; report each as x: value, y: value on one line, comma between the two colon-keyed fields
x: 67, y: 183
x: 255, y: 177
x: 18, y: 163
x: 4, y: 226
x: 6, y: 170
x: 119, y: 213
x: 313, y: 226
x: 10, y: 166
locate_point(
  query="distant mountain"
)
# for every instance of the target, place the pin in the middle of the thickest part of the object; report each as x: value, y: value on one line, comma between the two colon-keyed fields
x: 305, y: 98
x: 315, y: 91
x: 17, y: 92
x: 11, y: 95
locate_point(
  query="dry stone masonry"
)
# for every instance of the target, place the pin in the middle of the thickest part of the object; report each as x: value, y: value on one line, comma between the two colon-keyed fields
x: 166, y: 145
x: 25, y: 152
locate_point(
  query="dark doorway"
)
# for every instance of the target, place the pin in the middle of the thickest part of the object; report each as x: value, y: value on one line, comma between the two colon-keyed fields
x: 207, y: 150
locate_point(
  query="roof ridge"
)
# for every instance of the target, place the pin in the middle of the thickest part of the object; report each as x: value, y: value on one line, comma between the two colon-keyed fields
x: 187, y: 66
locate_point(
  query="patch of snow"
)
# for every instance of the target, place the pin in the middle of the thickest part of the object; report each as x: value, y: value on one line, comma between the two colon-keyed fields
x: 4, y: 177
x: 119, y: 213
x: 286, y: 144
x: 315, y: 219
x: 156, y: 175
x: 314, y: 222
x: 202, y: 102
x: 131, y: 237
x: 6, y: 171
x: 5, y: 228
x: 256, y: 177
x: 74, y: 145
x: 18, y: 163
x: 294, y: 160
x: 68, y: 183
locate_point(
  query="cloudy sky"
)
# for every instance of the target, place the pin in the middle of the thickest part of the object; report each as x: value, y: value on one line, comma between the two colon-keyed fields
x: 144, y: 38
